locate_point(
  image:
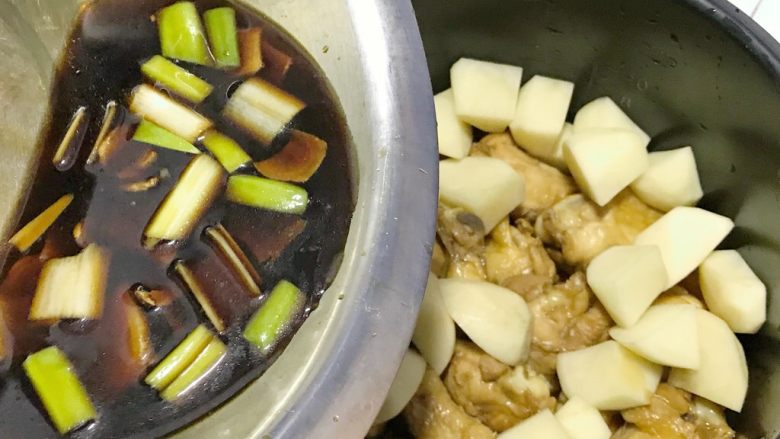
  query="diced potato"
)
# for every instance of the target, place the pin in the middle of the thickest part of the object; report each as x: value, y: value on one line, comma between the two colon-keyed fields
x: 608, y: 376
x: 671, y: 180
x: 605, y: 161
x: 485, y: 93
x: 722, y: 376
x: 434, y: 334
x: 454, y: 135
x: 685, y: 235
x: 627, y: 279
x: 666, y: 334
x: 605, y: 113
x: 542, y: 425
x: 542, y: 105
x: 582, y: 421
x: 405, y: 384
x: 732, y: 291
x: 495, y: 318
x: 487, y: 187
x: 557, y: 158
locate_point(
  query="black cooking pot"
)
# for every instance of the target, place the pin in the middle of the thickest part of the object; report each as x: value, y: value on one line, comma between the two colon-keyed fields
x: 693, y: 72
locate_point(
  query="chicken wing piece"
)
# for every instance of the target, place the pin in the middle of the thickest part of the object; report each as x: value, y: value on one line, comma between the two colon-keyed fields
x: 514, y: 251
x: 440, y: 260
x: 432, y: 414
x: 498, y: 395
x: 710, y: 420
x: 674, y: 414
x: 678, y: 295
x: 582, y: 229
x: 567, y: 317
x: 544, y: 185
x: 630, y: 432
x: 463, y: 236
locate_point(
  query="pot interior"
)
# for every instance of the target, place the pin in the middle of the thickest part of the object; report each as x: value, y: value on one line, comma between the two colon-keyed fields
x: 685, y: 71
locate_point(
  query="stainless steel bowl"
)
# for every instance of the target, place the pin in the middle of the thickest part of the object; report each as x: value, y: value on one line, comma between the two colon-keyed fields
x: 693, y: 72
x: 331, y: 379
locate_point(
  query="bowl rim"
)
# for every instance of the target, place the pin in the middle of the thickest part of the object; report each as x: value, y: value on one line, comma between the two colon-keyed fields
x: 331, y: 379
x: 401, y: 216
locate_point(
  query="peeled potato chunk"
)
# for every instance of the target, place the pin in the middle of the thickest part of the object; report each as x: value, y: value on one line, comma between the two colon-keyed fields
x: 542, y: 425
x: 582, y: 421
x: 434, y: 334
x: 666, y: 334
x: 454, y: 135
x: 605, y: 113
x: 608, y: 376
x: 627, y: 279
x: 732, y: 291
x: 605, y: 161
x: 686, y: 236
x: 485, y: 93
x: 722, y: 376
x: 495, y: 318
x: 542, y: 105
x: 556, y: 158
x: 487, y: 187
x: 671, y: 180
x: 405, y: 384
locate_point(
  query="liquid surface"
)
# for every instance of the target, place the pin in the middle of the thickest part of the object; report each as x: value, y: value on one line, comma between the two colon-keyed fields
x: 101, y: 63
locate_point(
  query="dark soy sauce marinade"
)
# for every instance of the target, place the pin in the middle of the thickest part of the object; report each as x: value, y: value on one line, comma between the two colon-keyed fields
x: 100, y: 64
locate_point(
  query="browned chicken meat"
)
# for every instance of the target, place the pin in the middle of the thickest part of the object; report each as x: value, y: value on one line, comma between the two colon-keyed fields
x: 440, y: 260
x: 513, y: 251
x: 544, y: 185
x: 432, y: 414
x: 463, y: 236
x: 630, y: 432
x: 710, y: 420
x: 673, y: 414
x: 567, y: 317
x: 678, y: 295
x: 582, y: 229
x: 663, y: 417
x: 498, y: 395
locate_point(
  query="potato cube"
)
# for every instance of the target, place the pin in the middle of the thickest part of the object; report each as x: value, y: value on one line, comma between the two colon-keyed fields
x: 671, y: 180
x: 495, y: 318
x: 732, y: 291
x: 582, y: 421
x: 485, y: 93
x: 605, y: 113
x: 608, y: 376
x: 627, y: 279
x: 722, y: 376
x: 605, y: 161
x: 666, y: 334
x: 686, y: 236
x: 485, y: 186
x: 434, y: 333
x: 542, y: 425
x: 542, y: 105
x: 454, y: 135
